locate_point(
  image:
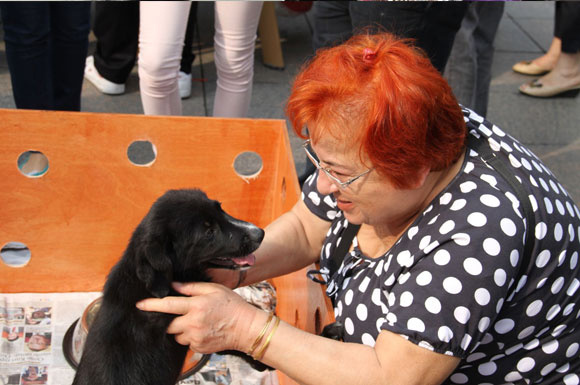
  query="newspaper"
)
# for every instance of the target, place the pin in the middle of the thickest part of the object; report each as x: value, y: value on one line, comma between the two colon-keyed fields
x: 33, y: 326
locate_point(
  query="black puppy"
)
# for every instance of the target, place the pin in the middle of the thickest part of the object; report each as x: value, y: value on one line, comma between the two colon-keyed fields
x: 183, y: 235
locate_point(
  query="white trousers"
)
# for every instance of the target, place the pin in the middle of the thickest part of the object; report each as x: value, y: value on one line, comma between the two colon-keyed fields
x: 161, y: 35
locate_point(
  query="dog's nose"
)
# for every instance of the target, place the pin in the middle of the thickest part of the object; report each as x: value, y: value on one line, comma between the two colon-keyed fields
x: 256, y: 234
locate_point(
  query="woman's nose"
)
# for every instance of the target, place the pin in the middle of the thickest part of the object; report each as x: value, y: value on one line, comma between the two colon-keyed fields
x: 324, y: 185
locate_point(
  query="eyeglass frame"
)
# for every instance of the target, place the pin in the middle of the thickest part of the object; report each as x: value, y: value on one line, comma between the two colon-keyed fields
x: 327, y: 170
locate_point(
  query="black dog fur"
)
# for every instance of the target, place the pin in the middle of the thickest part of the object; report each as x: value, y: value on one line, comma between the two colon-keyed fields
x: 183, y: 235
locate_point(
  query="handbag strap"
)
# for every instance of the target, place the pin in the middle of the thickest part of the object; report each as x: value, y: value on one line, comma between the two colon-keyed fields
x: 341, y: 250
x: 489, y: 157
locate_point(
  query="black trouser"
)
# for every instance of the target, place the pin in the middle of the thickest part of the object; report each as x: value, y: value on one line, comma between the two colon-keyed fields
x: 432, y: 24
x: 567, y: 25
x: 46, y: 47
x: 116, y: 27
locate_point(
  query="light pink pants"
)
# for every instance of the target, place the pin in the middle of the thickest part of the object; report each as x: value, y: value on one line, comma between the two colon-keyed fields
x: 162, y: 30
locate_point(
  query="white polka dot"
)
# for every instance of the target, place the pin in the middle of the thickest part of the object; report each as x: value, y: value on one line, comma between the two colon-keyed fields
x: 442, y: 257
x: 391, y: 299
x: 491, y: 246
x: 426, y: 240
x: 412, y: 232
x: 534, y: 308
x: 487, y: 369
x: 461, y: 239
x: 558, y: 232
x: 472, y: 266
x: 403, y: 278
x: 499, y: 277
x: 526, y: 364
x: 549, y: 207
x: 526, y: 332
x: 557, y: 285
x: 564, y: 368
x: 548, y: 369
x: 477, y: 219
x: 405, y: 258
x: 574, y: 260
x: 558, y: 330
x: 314, y: 198
x: 376, y: 297
x: 447, y: 227
x: 544, y: 185
x: 573, y: 287
x: 416, y: 324
x: 364, y: 284
x: 433, y: 305
x: 571, y: 379
x: 452, y: 285
x: 550, y: 347
x: 391, y: 318
x: 541, y: 230
x: 424, y: 278
x: 489, y: 200
x: 514, y: 257
x: 553, y: 312
x: 368, y: 340
x: 513, y: 377
x: 572, y: 350
x: 483, y: 324
x: 560, y: 207
x: 406, y: 299
x: 568, y: 309
x: 459, y: 378
x: 349, y: 326
x: 458, y: 205
x: 445, y: 198
x: 562, y: 258
x: 482, y: 296
x: 465, y: 342
x: 462, y: 314
x: 444, y: 334
x: 361, y: 312
x: 467, y: 187
x: 389, y: 281
x: 543, y: 258
x: 508, y: 227
x: 504, y: 326
x: 348, y: 297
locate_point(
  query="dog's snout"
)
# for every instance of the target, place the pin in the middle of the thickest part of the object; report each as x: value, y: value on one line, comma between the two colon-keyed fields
x: 256, y: 234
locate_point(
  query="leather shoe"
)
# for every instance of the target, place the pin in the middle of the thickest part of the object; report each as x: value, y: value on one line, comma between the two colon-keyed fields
x: 527, y: 67
x: 537, y: 89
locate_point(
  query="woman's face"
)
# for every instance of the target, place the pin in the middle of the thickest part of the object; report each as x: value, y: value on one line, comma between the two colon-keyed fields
x: 37, y: 342
x: 372, y: 199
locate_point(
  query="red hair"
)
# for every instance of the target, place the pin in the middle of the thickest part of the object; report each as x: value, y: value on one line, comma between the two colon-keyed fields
x: 383, y: 93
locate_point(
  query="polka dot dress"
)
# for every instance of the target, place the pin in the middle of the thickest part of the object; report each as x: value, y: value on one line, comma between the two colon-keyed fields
x: 456, y: 283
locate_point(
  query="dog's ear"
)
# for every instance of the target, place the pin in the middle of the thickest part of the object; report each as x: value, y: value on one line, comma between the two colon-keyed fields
x: 154, y: 262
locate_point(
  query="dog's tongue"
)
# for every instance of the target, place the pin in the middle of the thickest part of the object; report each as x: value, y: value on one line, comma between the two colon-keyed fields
x: 247, y: 260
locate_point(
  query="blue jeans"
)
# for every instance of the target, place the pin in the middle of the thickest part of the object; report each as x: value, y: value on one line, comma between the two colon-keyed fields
x: 46, y: 48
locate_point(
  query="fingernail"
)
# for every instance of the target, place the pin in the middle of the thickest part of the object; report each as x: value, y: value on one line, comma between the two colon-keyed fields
x: 139, y: 305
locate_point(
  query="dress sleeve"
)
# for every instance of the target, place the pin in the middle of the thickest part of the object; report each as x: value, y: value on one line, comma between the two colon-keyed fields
x: 323, y: 206
x: 450, y: 287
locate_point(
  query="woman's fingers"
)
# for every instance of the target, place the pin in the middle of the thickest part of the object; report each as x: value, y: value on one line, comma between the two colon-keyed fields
x: 171, y: 305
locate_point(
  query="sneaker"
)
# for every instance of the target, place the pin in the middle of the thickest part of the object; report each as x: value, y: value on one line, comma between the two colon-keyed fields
x: 102, y: 84
x: 184, y: 81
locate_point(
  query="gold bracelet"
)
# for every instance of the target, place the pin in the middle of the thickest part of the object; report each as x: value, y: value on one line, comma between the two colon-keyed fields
x: 260, y: 354
x: 262, y: 332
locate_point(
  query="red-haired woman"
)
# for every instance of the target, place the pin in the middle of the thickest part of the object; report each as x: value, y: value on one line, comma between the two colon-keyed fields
x: 465, y: 266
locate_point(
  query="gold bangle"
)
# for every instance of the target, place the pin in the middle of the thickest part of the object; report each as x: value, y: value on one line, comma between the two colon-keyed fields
x: 260, y: 354
x: 262, y: 332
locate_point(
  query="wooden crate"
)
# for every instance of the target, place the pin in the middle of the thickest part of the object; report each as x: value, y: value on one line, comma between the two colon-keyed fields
x: 77, y: 218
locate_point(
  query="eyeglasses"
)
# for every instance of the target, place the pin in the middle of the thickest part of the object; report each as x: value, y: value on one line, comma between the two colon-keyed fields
x: 328, y: 171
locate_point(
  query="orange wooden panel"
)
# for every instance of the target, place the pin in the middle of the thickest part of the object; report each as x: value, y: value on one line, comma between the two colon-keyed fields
x: 78, y: 217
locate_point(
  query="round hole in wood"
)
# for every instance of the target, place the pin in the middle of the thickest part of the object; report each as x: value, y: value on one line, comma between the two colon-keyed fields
x: 15, y: 254
x: 32, y: 164
x: 248, y: 164
x: 142, y: 153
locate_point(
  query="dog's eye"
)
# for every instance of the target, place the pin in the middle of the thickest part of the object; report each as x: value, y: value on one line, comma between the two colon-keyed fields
x: 210, y: 232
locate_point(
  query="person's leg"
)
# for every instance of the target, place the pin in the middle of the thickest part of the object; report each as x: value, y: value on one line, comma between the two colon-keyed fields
x: 116, y: 28
x: 27, y: 37
x: 331, y: 23
x: 461, y: 68
x: 187, y: 55
x: 565, y: 76
x: 490, y: 14
x: 70, y: 25
x: 234, y: 43
x: 161, y: 36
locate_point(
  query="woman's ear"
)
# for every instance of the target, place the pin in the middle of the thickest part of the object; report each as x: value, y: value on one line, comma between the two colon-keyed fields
x: 421, y: 177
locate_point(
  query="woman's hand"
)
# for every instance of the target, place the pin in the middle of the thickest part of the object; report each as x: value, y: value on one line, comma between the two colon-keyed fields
x: 210, y: 319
